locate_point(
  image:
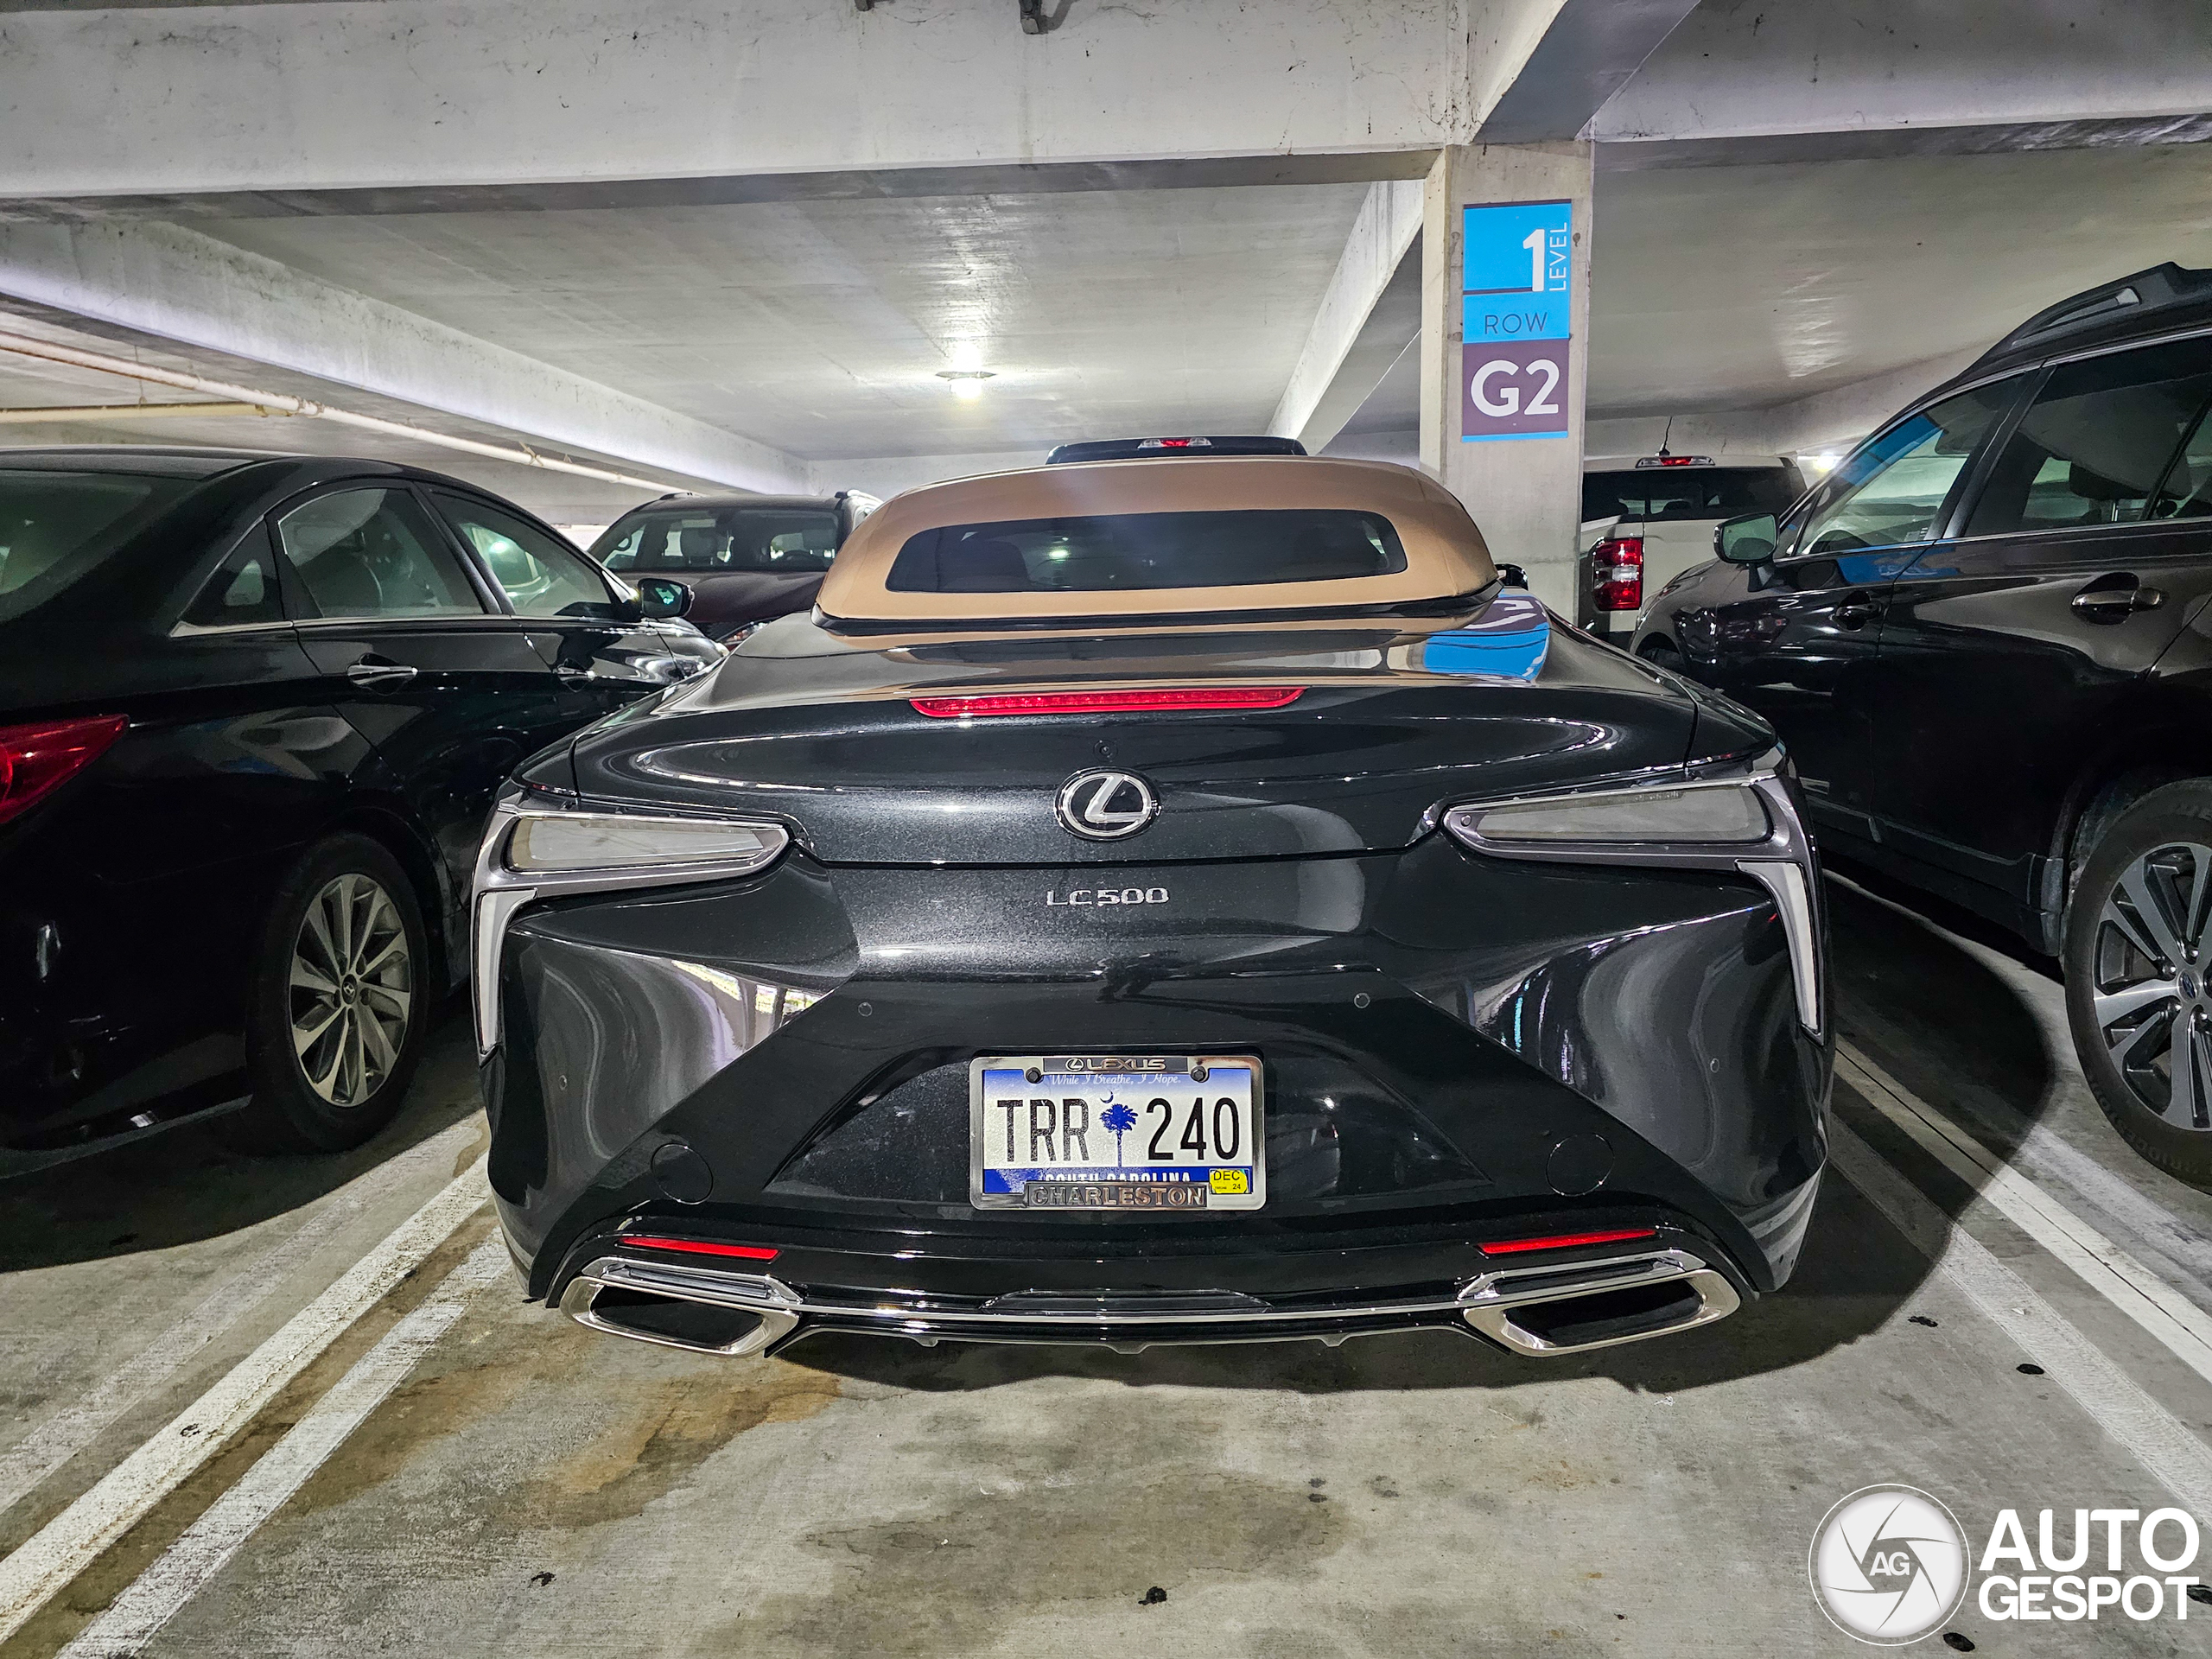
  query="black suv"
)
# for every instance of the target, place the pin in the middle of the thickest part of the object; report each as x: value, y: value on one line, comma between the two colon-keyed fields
x: 1986, y: 638
x: 748, y: 559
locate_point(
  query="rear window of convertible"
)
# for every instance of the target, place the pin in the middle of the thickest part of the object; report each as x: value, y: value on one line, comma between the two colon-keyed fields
x: 1127, y: 551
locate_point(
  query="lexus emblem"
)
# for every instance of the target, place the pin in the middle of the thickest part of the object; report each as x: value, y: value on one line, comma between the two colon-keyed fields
x: 1106, y: 805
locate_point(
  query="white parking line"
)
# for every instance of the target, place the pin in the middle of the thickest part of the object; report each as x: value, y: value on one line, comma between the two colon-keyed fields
x: 2178, y: 1324
x: 130, y: 1621
x: 2150, y: 1434
x: 73, y: 1540
x: 60, y: 1437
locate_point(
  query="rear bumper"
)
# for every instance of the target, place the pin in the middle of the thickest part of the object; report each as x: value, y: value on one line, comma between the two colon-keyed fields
x: 1458, y: 1049
x: 1569, y: 1301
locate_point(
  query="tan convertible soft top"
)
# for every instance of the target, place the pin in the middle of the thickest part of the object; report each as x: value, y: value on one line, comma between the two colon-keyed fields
x: 1445, y: 555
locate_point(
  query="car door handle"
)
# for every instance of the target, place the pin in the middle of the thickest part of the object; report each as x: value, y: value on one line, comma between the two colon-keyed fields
x: 380, y: 676
x: 2117, y: 604
x: 1857, y: 611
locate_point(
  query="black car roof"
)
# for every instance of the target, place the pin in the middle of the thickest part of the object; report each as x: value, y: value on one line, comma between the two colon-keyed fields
x: 141, y: 459
x: 2163, y: 300
x: 176, y: 460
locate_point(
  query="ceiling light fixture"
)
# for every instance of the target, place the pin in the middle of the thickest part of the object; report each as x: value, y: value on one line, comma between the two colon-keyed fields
x: 966, y: 383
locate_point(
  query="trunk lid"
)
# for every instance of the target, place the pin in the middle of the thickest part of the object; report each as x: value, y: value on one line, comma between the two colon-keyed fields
x: 819, y: 730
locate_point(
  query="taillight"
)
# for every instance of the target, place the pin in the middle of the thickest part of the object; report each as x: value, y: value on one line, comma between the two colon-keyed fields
x: 1617, y: 567
x: 1565, y: 1241
x: 697, y: 1247
x: 35, y: 760
x: 1161, y: 700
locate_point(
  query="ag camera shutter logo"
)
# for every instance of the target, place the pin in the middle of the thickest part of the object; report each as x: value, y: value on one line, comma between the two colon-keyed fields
x: 1888, y: 1565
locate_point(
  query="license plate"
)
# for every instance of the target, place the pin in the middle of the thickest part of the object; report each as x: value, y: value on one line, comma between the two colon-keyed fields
x: 1149, y: 1132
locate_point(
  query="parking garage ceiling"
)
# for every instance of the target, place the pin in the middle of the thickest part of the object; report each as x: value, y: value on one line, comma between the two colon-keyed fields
x: 738, y: 295
x: 820, y: 327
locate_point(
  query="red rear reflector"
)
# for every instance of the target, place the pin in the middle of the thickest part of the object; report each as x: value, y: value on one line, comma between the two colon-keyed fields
x: 1110, y: 702
x: 35, y: 760
x: 1616, y: 566
x: 699, y: 1246
x: 1566, y: 1240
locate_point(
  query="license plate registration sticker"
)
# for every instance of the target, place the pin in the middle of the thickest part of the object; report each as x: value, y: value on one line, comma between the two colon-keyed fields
x: 1153, y: 1132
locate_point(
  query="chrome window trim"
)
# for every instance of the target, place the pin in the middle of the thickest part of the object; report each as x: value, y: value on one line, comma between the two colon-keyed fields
x: 2129, y: 526
x: 199, y: 631
x: 2168, y: 337
x: 384, y: 620
x: 1782, y: 863
x: 498, y: 894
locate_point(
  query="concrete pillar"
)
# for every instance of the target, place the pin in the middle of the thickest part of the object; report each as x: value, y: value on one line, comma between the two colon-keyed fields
x: 1509, y: 445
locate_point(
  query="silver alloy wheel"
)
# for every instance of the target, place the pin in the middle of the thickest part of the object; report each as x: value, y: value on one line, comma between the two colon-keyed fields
x: 353, y: 990
x: 2150, y: 989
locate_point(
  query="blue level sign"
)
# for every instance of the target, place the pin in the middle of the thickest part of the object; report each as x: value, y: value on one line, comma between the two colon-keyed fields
x: 1515, y: 269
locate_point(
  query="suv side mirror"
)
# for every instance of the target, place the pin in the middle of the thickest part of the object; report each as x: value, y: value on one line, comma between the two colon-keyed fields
x: 1748, y: 540
x: 659, y: 599
x: 1512, y: 575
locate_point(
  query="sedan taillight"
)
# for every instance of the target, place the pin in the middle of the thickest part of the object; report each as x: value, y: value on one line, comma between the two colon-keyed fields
x: 1617, y: 567
x: 35, y: 760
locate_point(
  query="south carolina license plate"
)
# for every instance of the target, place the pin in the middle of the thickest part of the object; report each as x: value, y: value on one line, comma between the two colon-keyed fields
x: 1151, y: 1131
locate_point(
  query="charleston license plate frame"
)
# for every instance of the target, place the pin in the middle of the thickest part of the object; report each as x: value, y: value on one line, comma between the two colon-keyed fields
x: 1132, y: 1185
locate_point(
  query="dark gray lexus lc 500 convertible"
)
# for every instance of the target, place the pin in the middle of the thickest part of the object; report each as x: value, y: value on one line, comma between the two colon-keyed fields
x: 1156, y: 900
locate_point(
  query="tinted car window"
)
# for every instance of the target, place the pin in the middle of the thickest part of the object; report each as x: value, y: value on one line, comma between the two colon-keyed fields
x: 539, y: 576
x: 374, y: 553
x: 1108, y: 551
x: 2187, y: 493
x: 1657, y: 494
x: 2096, y: 440
x: 244, y: 590
x: 711, y: 541
x: 1891, y: 489
x: 55, y: 526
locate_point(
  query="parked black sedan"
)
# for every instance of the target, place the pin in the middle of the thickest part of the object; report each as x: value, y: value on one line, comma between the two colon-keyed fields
x: 748, y: 559
x: 1157, y: 900
x: 253, y: 710
x: 1985, y: 637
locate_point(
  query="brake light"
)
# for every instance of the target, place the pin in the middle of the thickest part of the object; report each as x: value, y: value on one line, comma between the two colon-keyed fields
x: 1176, y: 443
x: 35, y: 760
x: 1617, y: 566
x: 1159, y: 700
x: 700, y: 1246
x: 1566, y: 1240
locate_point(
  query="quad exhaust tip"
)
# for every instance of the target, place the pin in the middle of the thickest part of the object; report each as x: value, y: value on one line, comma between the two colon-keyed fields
x: 1543, y: 1310
x: 1549, y: 1310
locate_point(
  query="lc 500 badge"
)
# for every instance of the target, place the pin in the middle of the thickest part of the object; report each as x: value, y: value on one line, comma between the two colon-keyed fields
x: 1102, y: 896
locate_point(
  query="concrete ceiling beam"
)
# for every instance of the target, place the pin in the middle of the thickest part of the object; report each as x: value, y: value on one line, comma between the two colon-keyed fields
x: 173, y: 284
x: 1785, y: 80
x: 1369, y: 313
x: 400, y: 100
x: 1590, y: 50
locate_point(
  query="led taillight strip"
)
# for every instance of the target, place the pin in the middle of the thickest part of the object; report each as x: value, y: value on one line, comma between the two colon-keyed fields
x: 1110, y: 702
x: 699, y: 1246
x: 1566, y: 1240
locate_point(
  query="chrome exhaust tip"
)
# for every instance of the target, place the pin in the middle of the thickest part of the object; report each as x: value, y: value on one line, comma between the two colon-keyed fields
x: 1549, y: 1310
x: 731, y: 1315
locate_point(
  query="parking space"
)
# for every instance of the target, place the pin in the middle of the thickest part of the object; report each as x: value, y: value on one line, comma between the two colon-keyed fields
x: 549, y: 1490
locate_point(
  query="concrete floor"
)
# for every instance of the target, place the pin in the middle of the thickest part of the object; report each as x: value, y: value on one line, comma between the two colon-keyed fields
x: 530, y: 1488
